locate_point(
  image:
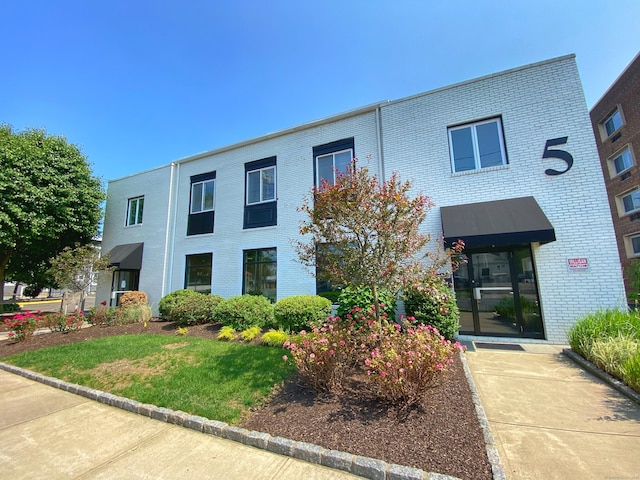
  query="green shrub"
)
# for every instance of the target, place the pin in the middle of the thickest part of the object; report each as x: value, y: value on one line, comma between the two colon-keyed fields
x: 250, y: 333
x: 133, y: 297
x: 301, y: 311
x: 331, y: 295
x: 632, y: 372
x: 362, y: 297
x: 61, y: 322
x: 226, y: 334
x: 132, y: 314
x: 9, y: 307
x: 601, y: 325
x: 194, y: 309
x: 244, y: 311
x: 274, y: 338
x: 434, y: 305
x: 102, y: 315
x: 170, y: 300
x: 611, y: 354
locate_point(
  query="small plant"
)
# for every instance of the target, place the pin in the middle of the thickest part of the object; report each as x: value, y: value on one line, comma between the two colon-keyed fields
x: 434, y: 304
x: 250, y: 333
x: 59, y: 322
x: 22, y: 325
x: 132, y: 314
x: 182, y: 331
x: 9, y: 307
x: 133, y: 298
x: 244, y: 311
x: 632, y: 372
x: 611, y: 354
x: 362, y: 297
x: 170, y: 300
x: 274, y: 338
x: 301, y: 311
x: 226, y: 334
x: 194, y: 309
x: 102, y: 315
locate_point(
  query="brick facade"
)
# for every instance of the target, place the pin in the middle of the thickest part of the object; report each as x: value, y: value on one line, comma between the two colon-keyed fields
x: 624, y: 95
x: 534, y: 103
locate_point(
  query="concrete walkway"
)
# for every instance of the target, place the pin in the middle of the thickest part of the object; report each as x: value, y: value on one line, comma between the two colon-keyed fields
x: 553, y: 420
x: 47, y: 433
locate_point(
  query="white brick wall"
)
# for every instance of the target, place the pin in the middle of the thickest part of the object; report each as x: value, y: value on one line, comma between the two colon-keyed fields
x: 536, y: 103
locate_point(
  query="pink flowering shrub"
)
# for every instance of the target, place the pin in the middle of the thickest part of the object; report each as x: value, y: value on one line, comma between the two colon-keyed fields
x: 59, y: 322
x: 407, y: 361
x: 22, y: 326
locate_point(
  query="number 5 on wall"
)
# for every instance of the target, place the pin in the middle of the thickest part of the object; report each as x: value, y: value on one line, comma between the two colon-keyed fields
x: 554, y: 153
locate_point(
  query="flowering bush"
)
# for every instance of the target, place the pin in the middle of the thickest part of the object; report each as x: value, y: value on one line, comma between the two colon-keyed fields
x: 22, y: 326
x: 433, y: 303
x: 59, y: 322
x: 406, y: 362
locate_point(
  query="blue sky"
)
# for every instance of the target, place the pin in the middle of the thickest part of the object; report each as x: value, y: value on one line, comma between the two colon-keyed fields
x: 138, y: 84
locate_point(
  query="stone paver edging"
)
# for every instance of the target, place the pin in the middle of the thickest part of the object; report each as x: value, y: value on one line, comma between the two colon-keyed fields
x: 366, y: 467
x: 602, y: 375
x: 492, y: 450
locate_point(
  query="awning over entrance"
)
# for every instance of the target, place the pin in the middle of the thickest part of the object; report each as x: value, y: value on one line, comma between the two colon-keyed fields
x: 515, y: 221
x: 127, y: 256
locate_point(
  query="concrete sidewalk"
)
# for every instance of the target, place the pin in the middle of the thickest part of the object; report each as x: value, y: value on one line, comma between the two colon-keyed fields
x: 553, y: 420
x: 47, y: 433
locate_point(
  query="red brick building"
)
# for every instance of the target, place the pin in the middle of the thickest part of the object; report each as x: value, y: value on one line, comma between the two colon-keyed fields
x: 616, y: 125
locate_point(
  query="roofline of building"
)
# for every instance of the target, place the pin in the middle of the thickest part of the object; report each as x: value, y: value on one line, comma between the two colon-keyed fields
x: 350, y: 113
x: 615, y: 81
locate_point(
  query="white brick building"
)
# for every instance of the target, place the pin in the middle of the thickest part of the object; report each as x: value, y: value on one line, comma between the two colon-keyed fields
x: 539, y: 233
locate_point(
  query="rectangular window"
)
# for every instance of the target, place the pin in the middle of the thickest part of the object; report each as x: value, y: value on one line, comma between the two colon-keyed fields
x: 630, y: 202
x: 198, y: 272
x: 134, y: 211
x: 632, y: 245
x: 202, y: 196
x: 477, y: 145
x: 622, y: 161
x: 202, y: 204
x: 332, y: 159
x: 612, y: 123
x: 260, y: 272
x: 261, y: 185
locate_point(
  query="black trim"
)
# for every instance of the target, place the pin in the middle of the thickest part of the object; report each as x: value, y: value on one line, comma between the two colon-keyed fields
x: 127, y: 256
x: 331, y: 147
x: 260, y: 214
x: 202, y: 177
x: 200, y: 223
x: 258, y: 164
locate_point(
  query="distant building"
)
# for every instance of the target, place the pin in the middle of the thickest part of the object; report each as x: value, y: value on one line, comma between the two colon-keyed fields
x: 616, y: 125
x: 509, y: 160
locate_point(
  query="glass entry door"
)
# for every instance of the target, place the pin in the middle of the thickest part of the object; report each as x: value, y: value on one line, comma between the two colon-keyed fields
x: 497, y: 294
x: 123, y: 281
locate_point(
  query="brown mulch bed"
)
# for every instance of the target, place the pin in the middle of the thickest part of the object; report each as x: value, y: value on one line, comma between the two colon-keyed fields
x: 442, y: 434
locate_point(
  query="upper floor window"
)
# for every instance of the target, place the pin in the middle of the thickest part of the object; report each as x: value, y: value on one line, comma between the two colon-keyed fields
x: 202, y: 196
x: 477, y: 145
x: 629, y: 202
x: 134, y: 211
x: 202, y: 204
x: 332, y: 159
x: 632, y: 245
x: 612, y: 123
x: 622, y: 161
x: 261, y: 185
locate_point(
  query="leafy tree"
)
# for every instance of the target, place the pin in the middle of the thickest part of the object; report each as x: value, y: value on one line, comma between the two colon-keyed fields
x: 366, y: 233
x: 73, y: 268
x: 49, y: 201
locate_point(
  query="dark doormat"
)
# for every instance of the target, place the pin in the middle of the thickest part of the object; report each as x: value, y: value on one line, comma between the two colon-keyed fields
x: 500, y: 346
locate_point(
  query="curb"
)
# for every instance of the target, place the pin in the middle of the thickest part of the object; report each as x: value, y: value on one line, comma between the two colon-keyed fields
x: 366, y: 467
x: 492, y: 450
x: 602, y: 375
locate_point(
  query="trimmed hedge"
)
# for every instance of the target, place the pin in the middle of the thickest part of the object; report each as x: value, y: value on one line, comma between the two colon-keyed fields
x: 195, y: 309
x: 244, y: 311
x: 172, y: 299
x: 301, y: 311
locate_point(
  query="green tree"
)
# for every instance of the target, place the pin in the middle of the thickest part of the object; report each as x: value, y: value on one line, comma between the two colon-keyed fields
x: 49, y: 200
x: 74, y: 268
x: 365, y: 233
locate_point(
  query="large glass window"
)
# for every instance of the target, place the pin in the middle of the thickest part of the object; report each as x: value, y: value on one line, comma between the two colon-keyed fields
x: 328, y: 166
x: 202, y: 196
x: 260, y: 272
x: 198, y: 272
x: 261, y: 185
x: 477, y: 145
x: 134, y: 211
x: 612, y: 123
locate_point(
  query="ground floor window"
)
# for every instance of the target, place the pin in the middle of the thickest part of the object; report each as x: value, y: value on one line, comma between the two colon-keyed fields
x: 198, y: 272
x: 260, y: 272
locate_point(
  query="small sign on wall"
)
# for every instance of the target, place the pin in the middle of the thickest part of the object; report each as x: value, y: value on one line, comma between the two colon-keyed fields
x: 578, y: 264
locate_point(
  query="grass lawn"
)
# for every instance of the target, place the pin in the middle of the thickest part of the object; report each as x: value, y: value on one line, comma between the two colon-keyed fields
x: 216, y: 380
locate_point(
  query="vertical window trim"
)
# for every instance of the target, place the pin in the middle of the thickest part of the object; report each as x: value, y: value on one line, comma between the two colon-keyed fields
x: 202, y: 200
x: 275, y: 185
x: 476, y: 147
x: 139, y: 211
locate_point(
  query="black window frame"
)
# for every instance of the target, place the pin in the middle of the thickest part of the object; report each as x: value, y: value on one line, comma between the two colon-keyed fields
x: 139, y: 200
x: 264, y: 213
x: 202, y: 222
x: 256, y: 264
x: 188, y: 269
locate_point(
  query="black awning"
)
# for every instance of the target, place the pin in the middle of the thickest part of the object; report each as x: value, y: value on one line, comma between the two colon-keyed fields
x: 127, y: 256
x: 515, y: 221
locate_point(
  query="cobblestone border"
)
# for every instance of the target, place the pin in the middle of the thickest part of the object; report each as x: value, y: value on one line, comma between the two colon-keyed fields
x: 602, y: 375
x: 366, y: 467
x: 492, y: 450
